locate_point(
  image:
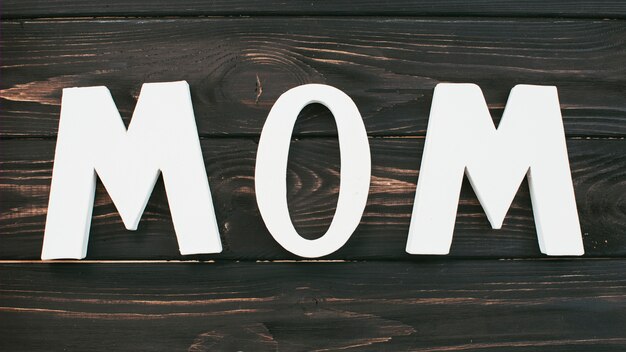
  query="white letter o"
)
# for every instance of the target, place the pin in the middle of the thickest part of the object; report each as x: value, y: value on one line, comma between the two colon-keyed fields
x: 271, y: 169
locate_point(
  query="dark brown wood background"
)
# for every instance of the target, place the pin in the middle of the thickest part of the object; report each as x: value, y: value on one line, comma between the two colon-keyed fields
x: 135, y: 292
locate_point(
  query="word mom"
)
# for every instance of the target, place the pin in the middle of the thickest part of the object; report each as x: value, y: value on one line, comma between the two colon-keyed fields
x: 163, y: 138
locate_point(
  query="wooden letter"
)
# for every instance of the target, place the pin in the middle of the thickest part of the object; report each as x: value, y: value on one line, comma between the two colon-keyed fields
x: 530, y: 140
x: 162, y: 137
x: 271, y: 167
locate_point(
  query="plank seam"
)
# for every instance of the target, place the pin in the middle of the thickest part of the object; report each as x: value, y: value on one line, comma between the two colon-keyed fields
x: 296, y: 137
x: 82, y: 17
x: 425, y: 259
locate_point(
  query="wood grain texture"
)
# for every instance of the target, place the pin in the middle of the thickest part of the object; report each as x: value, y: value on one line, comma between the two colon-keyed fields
x: 558, y: 8
x: 375, y: 296
x: 453, y: 305
x: 598, y: 171
x: 389, y: 66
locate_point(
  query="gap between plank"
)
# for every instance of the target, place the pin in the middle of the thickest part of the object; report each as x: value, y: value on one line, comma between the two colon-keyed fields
x: 226, y: 15
x: 295, y: 261
x: 307, y: 136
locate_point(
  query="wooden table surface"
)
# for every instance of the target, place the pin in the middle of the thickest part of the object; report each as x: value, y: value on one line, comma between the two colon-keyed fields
x: 135, y: 292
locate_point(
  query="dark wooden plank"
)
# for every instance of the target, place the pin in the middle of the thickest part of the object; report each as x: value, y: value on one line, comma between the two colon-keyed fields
x: 389, y: 66
x: 454, y: 305
x: 599, y: 170
x: 560, y: 8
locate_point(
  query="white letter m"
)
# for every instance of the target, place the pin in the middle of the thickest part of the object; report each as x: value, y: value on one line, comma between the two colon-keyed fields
x: 162, y: 137
x: 462, y: 138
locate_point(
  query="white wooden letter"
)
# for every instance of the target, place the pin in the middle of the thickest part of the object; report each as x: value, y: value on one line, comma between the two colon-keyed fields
x: 162, y: 137
x: 271, y: 168
x: 530, y: 140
